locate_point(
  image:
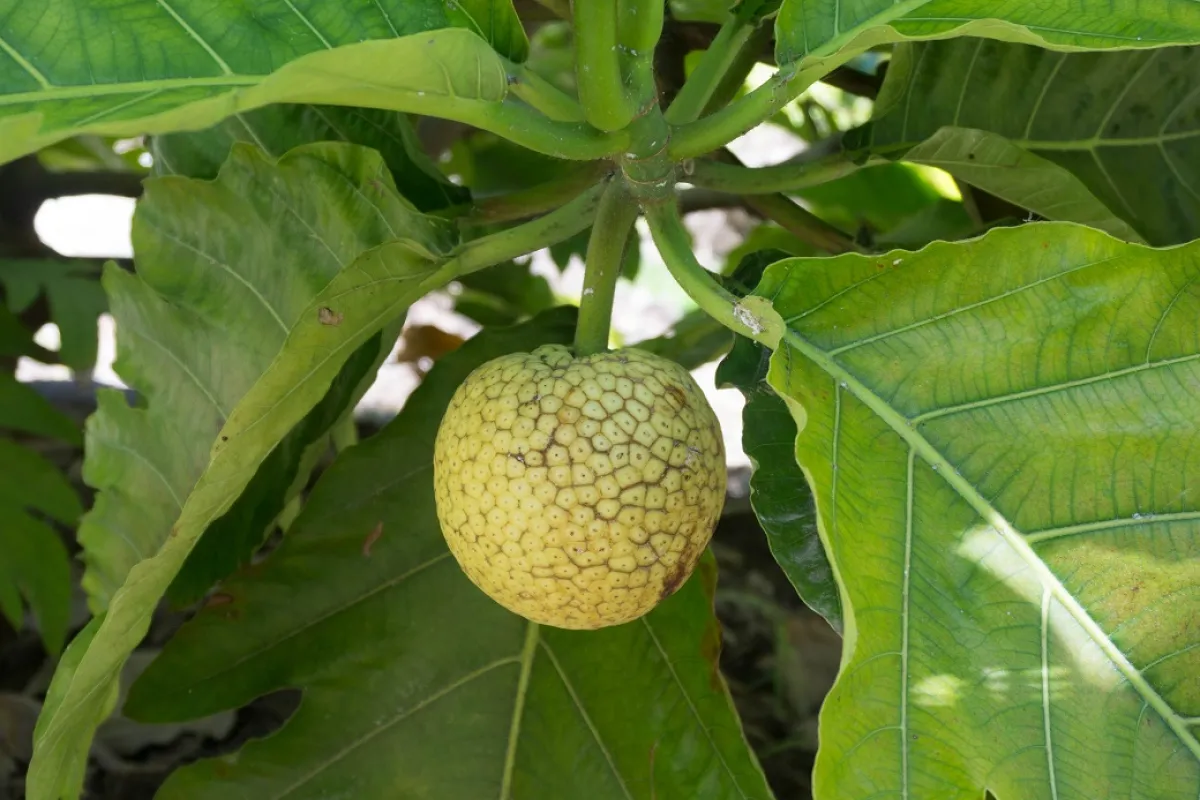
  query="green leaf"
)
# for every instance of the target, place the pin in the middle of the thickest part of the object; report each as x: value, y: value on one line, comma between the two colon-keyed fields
x: 33, y: 560
x: 503, y: 295
x: 694, y: 341
x: 491, y: 165
x: 495, y: 21
x: 328, y: 200
x: 1111, y: 140
x: 173, y: 67
x: 947, y: 220
x: 1001, y: 437
x: 820, y: 34
x: 225, y: 269
x: 23, y: 409
x: 17, y: 340
x: 71, y: 781
x: 279, y: 128
x: 778, y: 493
x: 715, y: 11
x: 231, y: 540
x: 880, y: 197
x: 415, y: 683
x: 73, y: 293
x: 31, y: 483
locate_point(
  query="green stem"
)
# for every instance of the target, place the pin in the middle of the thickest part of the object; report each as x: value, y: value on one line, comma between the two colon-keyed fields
x: 641, y: 24
x: 802, y: 223
x: 510, y: 119
x: 537, y: 199
x: 598, y: 65
x: 640, y: 27
x: 716, y: 130
x: 530, y: 128
x: 819, y: 164
x: 698, y: 89
x: 606, y: 251
x: 675, y: 246
x: 543, y: 95
x: 744, y: 60
x: 520, y: 240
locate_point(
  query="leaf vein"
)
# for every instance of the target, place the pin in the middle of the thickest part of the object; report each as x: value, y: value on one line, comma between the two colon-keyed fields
x: 692, y: 707
x: 586, y: 719
x: 361, y: 740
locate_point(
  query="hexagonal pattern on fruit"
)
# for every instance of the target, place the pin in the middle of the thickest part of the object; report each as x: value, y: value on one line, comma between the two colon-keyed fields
x: 579, y: 492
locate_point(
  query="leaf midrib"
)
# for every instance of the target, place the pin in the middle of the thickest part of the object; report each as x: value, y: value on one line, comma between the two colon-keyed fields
x: 903, y: 427
x: 92, y: 90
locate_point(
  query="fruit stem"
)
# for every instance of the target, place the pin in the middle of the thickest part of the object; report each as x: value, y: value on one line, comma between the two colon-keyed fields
x: 605, y: 253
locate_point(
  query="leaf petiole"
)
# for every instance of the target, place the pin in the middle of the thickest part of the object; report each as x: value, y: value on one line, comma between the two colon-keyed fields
x: 740, y: 316
x: 710, y: 72
x: 543, y: 95
x: 718, y: 129
x: 519, y: 240
x: 538, y: 199
x: 820, y: 163
x: 602, y: 91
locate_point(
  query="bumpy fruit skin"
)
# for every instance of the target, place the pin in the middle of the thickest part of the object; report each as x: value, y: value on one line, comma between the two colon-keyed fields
x: 579, y: 492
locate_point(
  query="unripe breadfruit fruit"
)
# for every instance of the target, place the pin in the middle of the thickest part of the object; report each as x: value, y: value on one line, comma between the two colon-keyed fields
x: 579, y: 492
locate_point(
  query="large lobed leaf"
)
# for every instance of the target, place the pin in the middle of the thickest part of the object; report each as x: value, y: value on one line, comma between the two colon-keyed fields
x: 1108, y: 139
x: 225, y: 269
x: 1003, y: 440
x: 820, y: 34
x: 159, y: 67
x: 415, y: 683
x: 277, y: 129
x: 251, y: 302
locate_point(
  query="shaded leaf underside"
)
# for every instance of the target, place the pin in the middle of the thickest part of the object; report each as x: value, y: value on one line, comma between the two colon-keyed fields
x: 778, y: 492
x: 277, y: 129
x: 1003, y: 440
x: 1032, y: 125
x: 416, y: 684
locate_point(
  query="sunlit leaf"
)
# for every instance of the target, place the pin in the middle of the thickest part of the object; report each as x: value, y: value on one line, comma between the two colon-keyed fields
x: 190, y: 64
x: 1002, y: 440
x: 819, y: 34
